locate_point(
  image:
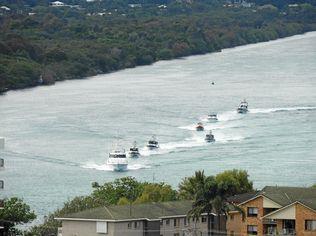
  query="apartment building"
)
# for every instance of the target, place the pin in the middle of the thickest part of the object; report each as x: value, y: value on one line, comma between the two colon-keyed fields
x: 274, y: 211
x: 150, y: 219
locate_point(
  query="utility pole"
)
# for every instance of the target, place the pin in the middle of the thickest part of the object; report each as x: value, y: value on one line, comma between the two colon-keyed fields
x: 2, y: 140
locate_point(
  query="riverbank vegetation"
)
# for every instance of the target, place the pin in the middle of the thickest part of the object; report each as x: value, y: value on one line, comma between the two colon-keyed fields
x: 40, y: 44
x: 128, y: 190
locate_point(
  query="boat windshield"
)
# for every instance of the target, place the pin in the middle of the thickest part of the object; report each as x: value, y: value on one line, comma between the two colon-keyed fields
x: 117, y: 155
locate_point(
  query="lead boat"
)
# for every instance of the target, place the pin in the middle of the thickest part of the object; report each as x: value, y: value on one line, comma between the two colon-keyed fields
x: 243, y: 107
x: 117, y: 159
x: 133, y: 151
x: 152, y: 143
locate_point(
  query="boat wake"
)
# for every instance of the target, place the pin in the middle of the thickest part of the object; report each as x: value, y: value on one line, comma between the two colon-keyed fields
x: 209, y: 126
x: 280, y: 109
x: 165, y: 148
x: 224, y: 138
x: 106, y: 167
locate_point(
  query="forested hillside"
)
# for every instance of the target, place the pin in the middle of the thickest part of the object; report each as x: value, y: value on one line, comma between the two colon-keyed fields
x: 40, y: 44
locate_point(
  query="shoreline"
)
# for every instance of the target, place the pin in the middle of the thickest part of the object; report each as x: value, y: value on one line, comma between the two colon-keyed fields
x: 224, y: 50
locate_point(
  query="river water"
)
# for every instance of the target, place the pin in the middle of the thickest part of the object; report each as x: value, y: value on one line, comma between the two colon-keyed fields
x: 58, y: 137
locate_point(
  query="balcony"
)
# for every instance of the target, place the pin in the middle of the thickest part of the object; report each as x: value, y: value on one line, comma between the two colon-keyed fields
x: 269, y: 222
x: 287, y: 232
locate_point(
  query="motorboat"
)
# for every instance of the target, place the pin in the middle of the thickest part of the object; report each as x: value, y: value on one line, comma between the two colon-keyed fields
x: 209, y: 137
x: 117, y: 160
x: 199, y: 127
x: 152, y: 143
x: 212, y: 117
x: 243, y: 107
x: 133, y: 151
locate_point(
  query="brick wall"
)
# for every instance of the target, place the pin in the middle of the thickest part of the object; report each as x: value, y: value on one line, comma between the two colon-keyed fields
x: 303, y: 213
x: 258, y: 202
x: 239, y: 226
x: 233, y: 223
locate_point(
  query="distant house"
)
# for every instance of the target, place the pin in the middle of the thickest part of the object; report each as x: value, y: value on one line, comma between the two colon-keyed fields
x: 4, y: 8
x: 57, y: 4
x: 246, y: 4
x: 135, y: 5
x: 163, y: 6
x: 274, y: 211
x: 293, y: 5
x: 150, y: 219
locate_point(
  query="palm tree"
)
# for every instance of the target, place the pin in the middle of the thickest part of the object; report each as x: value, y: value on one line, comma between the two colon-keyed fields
x: 222, y: 207
x: 203, y: 189
x: 207, y: 196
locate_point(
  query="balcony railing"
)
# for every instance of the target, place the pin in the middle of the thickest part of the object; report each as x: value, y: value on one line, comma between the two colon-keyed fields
x: 269, y: 222
x: 287, y: 232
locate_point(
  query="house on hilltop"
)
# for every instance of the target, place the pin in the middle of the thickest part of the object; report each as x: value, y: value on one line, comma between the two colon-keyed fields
x: 57, y: 4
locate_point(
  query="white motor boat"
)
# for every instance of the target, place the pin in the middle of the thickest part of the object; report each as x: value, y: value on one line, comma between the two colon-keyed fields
x: 212, y: 117
x: 243, y: 107
x: 117, y: 160
x: 209, y: 137
x: 199, y: 127
x: 134, y: 151
x: 152, y: 143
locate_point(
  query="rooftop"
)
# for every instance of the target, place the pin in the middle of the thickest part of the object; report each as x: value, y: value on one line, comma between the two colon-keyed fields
x: 287, y: 195
x: 281, y: 195
x: 150, y: 211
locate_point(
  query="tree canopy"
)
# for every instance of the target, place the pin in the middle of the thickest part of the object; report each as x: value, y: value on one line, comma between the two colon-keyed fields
x: 59, y: 43
x: 15, y: 212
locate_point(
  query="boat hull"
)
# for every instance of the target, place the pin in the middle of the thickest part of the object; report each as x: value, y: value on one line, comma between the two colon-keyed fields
x: 119, y: 167
x: 242, y: 111
x: 152, y: 147
x: 209, y: 140
x: 134, y: 154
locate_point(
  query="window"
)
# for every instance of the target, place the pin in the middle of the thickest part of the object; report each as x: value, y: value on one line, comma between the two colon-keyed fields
x: 252, y: 211
x: 129, y: 225
x: 1, y: 184
x: 176, y: 222
x: 1, y: 162
x: 252, y: 229
x: 310, y: 225
x: 102, y: 227
x: 176, y: 234
x: 204, y: 219
x: 136, y: 225
x: 185, y: 221
x: 167, y: 222
x: 231, y: 217
x: 232, y: 233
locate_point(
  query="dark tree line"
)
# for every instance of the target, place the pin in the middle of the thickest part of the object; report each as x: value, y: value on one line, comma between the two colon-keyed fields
x: 65, y: 43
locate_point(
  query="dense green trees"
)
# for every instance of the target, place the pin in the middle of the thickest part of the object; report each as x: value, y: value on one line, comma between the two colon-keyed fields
x: 15, y: 212
x: 206, y: 192
x: 66, y: 43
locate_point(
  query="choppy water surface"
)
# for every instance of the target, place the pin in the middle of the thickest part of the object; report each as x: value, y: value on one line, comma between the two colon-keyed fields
x: 58, y: 137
